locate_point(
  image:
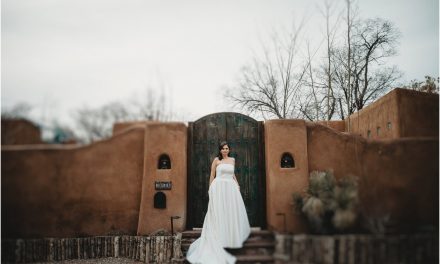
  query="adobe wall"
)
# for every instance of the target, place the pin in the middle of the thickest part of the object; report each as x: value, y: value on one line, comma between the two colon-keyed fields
x: 171, y: 139
x: 418, y: 112
x: 67, y: 191
x: 19, y: 132
x: 397, y: 178
x: 382, y: 115
x: 285, y: 136
x: 121, y: 127
x: 400, y: 113
x: 338, y: 125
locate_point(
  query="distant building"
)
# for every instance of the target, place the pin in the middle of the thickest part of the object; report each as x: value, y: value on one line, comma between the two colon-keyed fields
x: 20, y: 132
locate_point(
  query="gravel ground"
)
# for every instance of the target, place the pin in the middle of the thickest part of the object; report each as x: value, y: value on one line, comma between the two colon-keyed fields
x: 94, y: 261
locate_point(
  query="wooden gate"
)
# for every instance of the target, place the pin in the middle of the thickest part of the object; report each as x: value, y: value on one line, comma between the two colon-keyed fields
x: 246, y: 140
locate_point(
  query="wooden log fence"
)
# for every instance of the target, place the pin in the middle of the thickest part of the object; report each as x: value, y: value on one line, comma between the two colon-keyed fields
x: 336, y: 249
x: 357, y: 249
x: 148, y: 249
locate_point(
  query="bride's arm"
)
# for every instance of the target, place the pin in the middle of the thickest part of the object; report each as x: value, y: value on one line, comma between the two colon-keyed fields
x: 212, y: 175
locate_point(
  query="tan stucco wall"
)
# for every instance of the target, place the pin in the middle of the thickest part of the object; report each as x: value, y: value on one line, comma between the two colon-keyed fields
x: 67, y: 191
x: 170, y: 139
x: 338, y: 125
x: 108, y: 187
x: 410, y: 114
x: 19, y: 131
x: 397, y: 177
x: 418, y: 113
x: 377, y: 115
x: 120, y: 127
x: 285, y: 136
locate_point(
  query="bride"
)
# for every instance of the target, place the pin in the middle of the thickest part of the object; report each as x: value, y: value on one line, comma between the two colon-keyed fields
x: 226, y: 224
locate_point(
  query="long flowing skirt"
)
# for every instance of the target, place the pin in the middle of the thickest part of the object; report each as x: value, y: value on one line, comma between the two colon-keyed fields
x: 226, y: 225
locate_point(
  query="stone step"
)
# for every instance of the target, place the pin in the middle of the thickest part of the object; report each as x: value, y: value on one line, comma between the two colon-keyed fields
x: 246, y: 244
x: 254, y: 247
x: 255, y: 259
x: 258, y: 248
x: 255, y: 240
x: 196, y: 233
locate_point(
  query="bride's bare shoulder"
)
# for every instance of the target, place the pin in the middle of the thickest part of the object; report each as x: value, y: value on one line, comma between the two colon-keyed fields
x: 215, y: 161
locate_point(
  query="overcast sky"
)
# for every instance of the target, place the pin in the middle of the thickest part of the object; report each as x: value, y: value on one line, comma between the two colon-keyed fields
x: 60, y: 55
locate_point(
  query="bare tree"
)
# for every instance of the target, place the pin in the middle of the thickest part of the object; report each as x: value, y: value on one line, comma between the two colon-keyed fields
x: 311, y: 105
x: 429, y: 85
x: 151, y: 106
x: 363, y: 77
x: 97, y: 123
x: 330, y: 34
x: 320, y: 80
x: 271, y: 85
x: 349, y: 20
x: 284, y: 85
x: 19, y: 110
x: 376, y: 39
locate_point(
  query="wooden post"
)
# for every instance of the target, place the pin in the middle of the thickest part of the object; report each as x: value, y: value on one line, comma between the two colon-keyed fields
x: 282, y: 249
x: 178, y: 255
x: 147, y: 249
x: 19, y: 251
x: 351, y: 249
x: 327, y: 249
x: 51, y: 251
x: 141, y: 251
x: 116, y: 247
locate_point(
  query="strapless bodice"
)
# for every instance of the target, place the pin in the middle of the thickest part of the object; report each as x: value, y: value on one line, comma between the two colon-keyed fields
x: 224, y: 171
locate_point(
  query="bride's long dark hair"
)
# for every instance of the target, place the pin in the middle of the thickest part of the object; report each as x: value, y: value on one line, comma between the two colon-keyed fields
x: 222, y: 144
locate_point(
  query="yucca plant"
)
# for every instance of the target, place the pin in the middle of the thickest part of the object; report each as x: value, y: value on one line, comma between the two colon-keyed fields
x: 345, y: 204
x: 329, y: 206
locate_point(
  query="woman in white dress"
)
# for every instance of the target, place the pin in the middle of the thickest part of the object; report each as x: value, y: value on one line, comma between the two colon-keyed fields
x: 226, y: 224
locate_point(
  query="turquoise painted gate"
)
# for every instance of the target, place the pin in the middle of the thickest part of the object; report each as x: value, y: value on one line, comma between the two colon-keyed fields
x: 245, y: 136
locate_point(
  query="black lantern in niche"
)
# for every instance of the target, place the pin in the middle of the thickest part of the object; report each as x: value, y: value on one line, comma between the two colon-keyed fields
x: 287, y: 161
x: 160, y: 200
x: 164, y: 162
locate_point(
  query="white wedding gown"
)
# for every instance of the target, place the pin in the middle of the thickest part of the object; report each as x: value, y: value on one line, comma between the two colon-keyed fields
x: 226, y: 224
